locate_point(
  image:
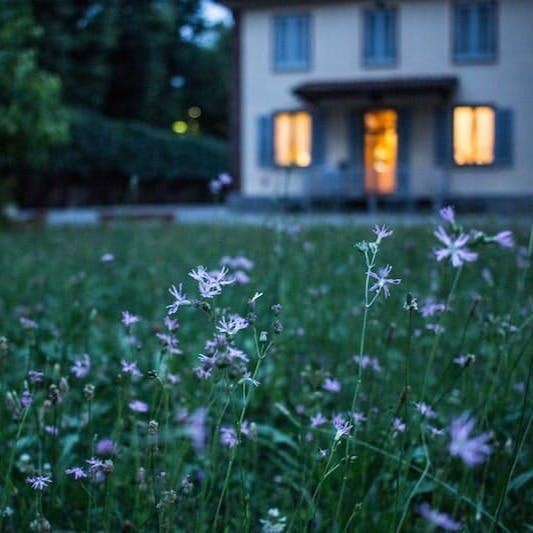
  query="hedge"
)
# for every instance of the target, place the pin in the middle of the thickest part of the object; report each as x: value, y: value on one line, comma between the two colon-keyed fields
x: 100, y: 146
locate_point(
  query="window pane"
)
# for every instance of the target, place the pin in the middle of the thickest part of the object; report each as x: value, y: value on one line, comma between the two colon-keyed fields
x: 291, y: 42
x: 462, y: 135
x: 473, y: 135
x: 282, y: 139
x: 292, y: 139
x: 302, y: 139
x: 484, y: 135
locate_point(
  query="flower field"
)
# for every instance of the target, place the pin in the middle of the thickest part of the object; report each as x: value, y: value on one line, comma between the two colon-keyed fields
x: 268, y: 378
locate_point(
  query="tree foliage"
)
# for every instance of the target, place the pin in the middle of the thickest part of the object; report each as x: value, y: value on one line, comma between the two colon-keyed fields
x: 32, y: 117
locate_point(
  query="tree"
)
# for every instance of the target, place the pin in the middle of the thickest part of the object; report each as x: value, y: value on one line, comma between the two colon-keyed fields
x: 32, y: 117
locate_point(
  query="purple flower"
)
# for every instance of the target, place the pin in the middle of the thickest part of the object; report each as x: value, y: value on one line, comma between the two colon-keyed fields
x: 225, y: 179
x: 425, y: 410
x: 105, y: 447
x: 51, y: 430
x: 39, y: 482
x: 228, y: 437
x: 232, y: 324
x: 95, y: 464
x: 437, y: 518
x: 448, y: 214
x: 107, y: 258
x: 179, y: 299
x: 473, y: 450
x: 197, y: 431
x: 342, y: 426
x: 504, y: 239
x: 215, y: 186
x: 318, y: 420
x: 398, y: 424
x: 383, y: 280
x: 332, y: 385
x: 130, y: 368
x: 365, y: 361
x: 381, y: 232
x: 128, y: 319
x: 35, y: 376
x: 464, y: 360
x: 28, y: 323
x: 210, y: 284
x: 81, y: 367
x: 430, y: 307
x: 76, y: 471
x: 358, y: 417
x: 26, y: 398
x: 454, y: 248
x: 171, y: 324
x: 138, y: 406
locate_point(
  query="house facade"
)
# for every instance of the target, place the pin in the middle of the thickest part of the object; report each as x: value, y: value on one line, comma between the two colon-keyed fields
x: 396, y: 99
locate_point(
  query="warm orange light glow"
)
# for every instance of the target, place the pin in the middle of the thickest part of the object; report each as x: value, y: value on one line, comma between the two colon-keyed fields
x: 292, y: 139
x: 381, y: 151
x: 473, y: 135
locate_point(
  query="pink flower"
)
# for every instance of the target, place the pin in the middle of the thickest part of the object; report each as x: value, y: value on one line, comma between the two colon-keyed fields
x: 398, y: 424
x: 504, y: 239
x: 138, y: 406
x: 425, y: 410
x: 107, y: 258
x: 128, y: 319
x: 179, y: 299
x: 454, y: 248
x: 383, y: 280
x: 437, y: 518
x: 448, y: 214
x: 130, y: 368
x: 81, y: 367
x: 77, y: 472
x: 39, y: 482
x: 381, y: 232
x: 228, y: 437
x: 210, y: 284
x: 318, y: 420
x: 332, y: 385
x: 473, y: 450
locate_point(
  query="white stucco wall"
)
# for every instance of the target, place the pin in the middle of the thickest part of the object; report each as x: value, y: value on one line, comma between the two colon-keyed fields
x: 424, y: 49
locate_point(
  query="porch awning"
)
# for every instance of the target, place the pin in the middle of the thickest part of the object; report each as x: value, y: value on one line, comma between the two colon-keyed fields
x: 372, y: 89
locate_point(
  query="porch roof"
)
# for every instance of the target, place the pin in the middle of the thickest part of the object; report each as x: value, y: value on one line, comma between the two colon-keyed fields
x: 375, y: 88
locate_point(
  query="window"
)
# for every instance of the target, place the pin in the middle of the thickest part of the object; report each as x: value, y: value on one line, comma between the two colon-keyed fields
x: 473, y: 135
x: 474, y: 31
x: 292, y: 139
x: 379, y: 37
x: 291, y: 42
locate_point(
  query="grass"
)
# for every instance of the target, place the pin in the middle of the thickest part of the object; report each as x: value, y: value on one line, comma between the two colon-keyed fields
x: 170, y: 470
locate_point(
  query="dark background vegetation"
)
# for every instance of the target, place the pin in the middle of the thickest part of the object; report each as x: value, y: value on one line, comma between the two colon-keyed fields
x: 89, y: 91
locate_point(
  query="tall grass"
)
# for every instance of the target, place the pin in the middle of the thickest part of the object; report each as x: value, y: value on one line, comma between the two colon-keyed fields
x: 301, y: 397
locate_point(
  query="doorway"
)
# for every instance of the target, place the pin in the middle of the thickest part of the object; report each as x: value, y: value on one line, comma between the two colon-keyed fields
x: 380, y: 151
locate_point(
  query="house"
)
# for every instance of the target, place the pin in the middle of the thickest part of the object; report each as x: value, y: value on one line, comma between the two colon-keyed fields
x: 383, y: 100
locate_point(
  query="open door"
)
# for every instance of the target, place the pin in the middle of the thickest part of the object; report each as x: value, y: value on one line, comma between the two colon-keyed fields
x: 381, y: 151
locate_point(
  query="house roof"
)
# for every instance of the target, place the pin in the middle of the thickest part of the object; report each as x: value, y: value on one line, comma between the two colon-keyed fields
x: 376, y: 88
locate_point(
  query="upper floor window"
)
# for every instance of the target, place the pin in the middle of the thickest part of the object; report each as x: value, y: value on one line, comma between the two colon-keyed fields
x: 291, y: 42
x: 474, y: 30
x: 379, y: 36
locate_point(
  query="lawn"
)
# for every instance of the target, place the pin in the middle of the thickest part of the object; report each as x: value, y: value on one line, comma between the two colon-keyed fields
x: 286, y: 394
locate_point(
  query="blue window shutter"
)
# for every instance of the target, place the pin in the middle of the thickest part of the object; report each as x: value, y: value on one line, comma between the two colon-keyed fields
x: 389, y: 37
x: 443, y: 136
x: 369, y: 32
x: 404, y: 141
x: 265, y: 141
x: 280, y: 41
x: 356, y: 148
x: 487, y: 29
x: 503, y: 146
x: 318, y: 142
x: 461, y: 30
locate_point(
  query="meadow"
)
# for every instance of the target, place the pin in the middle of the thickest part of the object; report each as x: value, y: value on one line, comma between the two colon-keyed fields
x: 333, y: 378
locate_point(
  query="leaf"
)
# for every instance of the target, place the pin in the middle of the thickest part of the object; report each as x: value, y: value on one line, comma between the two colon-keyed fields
x: 520, y: 480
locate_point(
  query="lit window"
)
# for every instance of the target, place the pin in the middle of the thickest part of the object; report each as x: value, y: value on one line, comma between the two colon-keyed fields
x: 291, y: 42
x: 292, y: 139
x: 473, y: 135
x: 474, y: 30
